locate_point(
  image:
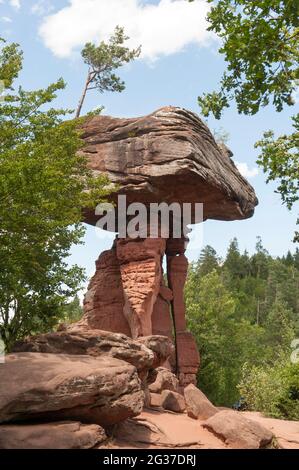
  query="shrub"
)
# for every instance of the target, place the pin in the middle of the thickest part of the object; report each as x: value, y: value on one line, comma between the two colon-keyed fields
x: 273, y: 390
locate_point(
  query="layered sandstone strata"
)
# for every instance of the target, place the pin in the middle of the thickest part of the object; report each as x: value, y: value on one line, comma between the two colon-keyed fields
x: 169, y: 156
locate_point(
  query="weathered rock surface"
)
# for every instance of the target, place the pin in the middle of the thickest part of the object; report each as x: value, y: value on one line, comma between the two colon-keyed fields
x: 155, y: 400
x: 144, y: 301
x: 101, y: 390
x: 197, y: 404
x: 104, y: 301
x: 146, y: 353
x: 141, y: 274
x: 59, y: 435
x: 173, y: 401
x: 186, y: 349
x: 161, y: 346
x: 161, y: 429
x: 165, y: 380
x: 157, y: 429
x: 95, y: 343
x: 171, y: 156
x: 126, y: 288
x: 161, y: 318
x: 239, y: 432
x: 286, y: 432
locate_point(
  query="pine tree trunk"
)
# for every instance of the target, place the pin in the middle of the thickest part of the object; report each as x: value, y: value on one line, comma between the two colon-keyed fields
x: 258, y: 312
x: 79, y: 109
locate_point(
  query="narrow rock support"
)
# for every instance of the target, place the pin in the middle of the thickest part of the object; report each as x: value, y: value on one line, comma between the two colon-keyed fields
x: 187, y: 356
x: 141, y: 274
x: 131, y: 275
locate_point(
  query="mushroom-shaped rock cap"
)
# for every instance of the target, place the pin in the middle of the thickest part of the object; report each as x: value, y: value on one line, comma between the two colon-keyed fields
x: 168, y: 156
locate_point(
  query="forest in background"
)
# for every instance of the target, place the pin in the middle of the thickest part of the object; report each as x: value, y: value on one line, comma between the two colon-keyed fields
x: 244, y: 313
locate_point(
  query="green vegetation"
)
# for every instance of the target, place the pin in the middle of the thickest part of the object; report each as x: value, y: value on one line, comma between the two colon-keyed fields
x: 272, y: 389
x: 72, y: 311
x: 260, y: 44
x: 244, y: 313
x: 44, y: 183
x: 279, y: 158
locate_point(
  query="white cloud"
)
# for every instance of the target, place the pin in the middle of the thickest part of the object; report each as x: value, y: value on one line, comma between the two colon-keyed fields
x: 246, y: 171
x: 42, y: 7
x: 162, y: 29
x: 15, y: 4
x: 6, y: 19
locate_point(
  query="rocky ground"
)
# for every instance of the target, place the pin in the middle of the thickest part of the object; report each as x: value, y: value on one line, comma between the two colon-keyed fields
x: 160, y: 429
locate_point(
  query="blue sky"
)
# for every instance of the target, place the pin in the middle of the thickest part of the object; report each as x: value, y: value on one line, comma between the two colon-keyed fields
x: 179, y: 62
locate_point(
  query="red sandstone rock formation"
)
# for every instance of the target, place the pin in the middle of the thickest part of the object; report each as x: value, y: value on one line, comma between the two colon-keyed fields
x: 129, y: 296
x: 53, y: 387
x: 169, y: 156
x: 198, y: 405
x: 239, y: 432
x: 59, y: 435
x: 104, y: 301
x: 141, y: 274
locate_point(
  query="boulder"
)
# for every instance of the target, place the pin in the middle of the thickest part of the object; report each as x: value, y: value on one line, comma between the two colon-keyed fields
x: 59, y: 435
x: 285, y: 431
x: 155, y: 400
x: 170, y: 156
x: 93, y: 343
x: 161, y: 346
x: 101, y: 390
x: 239, y: 432
x: 173, y: 401
x: 197, y: 404
x: 165, y: 380
x: 145, y: 354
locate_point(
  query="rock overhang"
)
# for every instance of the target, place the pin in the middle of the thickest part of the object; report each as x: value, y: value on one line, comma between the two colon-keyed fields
x: 167, y: 156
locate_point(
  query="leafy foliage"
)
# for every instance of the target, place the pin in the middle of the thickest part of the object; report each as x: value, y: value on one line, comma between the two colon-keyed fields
x: 11, y: 63
x: 260, y: 43
x: 219, y: 337
x: 103, y: 60
x: 44, y: 183
x: 272, y: 389
x: 280, y: 159
x: 72, y: 311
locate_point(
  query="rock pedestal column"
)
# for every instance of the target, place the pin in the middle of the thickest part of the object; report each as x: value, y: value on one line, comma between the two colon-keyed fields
x: 104, y: 300
x: 128, y: 295
x: 141, y: 274
x: 187, y: 357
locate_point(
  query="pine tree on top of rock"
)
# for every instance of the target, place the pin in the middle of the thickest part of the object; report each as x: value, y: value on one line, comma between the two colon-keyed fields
x: 102, y: 61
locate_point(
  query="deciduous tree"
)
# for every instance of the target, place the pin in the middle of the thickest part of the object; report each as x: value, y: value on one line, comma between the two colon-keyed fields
x: 44, y: 183
x: 260, y: 44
